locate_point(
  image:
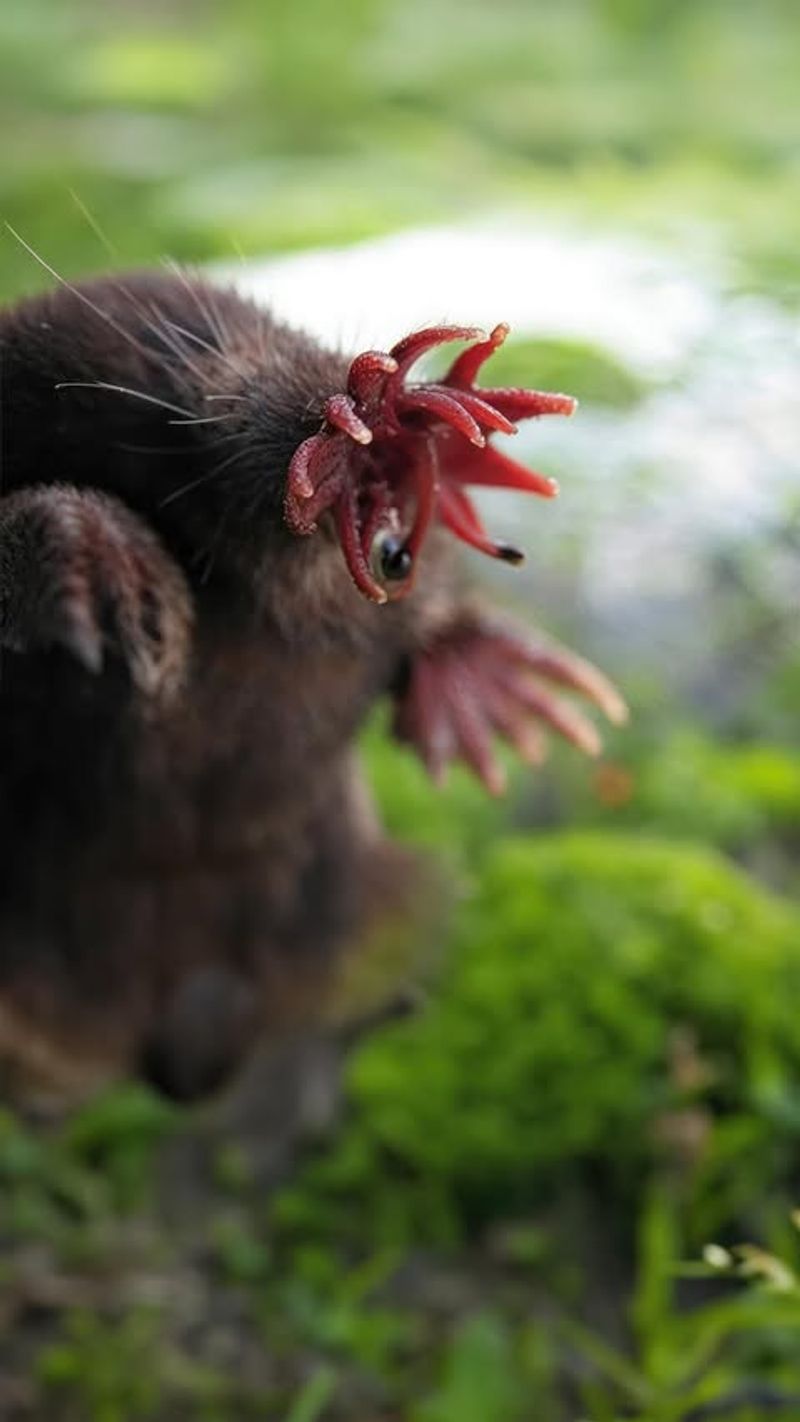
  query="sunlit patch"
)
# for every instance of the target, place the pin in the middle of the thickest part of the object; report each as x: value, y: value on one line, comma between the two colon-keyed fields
x: 393, y: 456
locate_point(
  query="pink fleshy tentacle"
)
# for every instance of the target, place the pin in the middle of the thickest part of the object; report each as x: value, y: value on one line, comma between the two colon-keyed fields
x: 518, y: 404
x: 409, y: 350
x: 427, y: 442
x: 340, y: 412
x: 317, y: 472
x: 304, y: 520
x: 491, y: 468
x: 426, y: 488
x: 299, y: 483
x: 513, y: 402
x: 406, y: 352
x: 380, y: 506
x: 442, y: 406
x: 368, y: 375
x: 347, y: 524
x: 458, y: 513
x: 465, y: 367
x: 481, y: 409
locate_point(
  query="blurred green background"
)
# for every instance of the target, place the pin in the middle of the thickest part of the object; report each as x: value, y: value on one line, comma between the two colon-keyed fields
x: 199, y: 129
x: 602, y: 1079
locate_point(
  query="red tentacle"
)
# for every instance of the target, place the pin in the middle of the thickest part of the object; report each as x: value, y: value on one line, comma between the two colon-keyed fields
x: 466, y: 366
x: 479, y: 407
x: 458, y: 513
x: 368, y: 375
x: 491, y: 468
x: 304, y: 519
x: 380, y: 506
x: 426, y: 478
x: 427, y: 441
x: 529, y: 404
x: 409, y: 350
x: 316, y: 475
x: 346, y: 514
x: 299, y: 484
x: 442, y: 406
x: 341, y: 412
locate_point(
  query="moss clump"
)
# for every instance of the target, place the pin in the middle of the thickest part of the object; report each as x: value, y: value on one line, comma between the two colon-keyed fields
x: 579, y: 961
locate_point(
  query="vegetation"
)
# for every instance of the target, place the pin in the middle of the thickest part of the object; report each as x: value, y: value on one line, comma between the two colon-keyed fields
x: 243, y: 125
x: 539, y: 1190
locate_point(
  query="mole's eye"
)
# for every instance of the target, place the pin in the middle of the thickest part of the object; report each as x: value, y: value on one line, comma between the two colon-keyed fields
x: 390, y: 559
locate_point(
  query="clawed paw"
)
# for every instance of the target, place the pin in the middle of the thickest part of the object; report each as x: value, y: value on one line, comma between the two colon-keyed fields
x: 477, y: 681
x: 98, y: 582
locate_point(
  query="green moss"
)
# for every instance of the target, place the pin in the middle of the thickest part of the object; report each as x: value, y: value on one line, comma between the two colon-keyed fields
x: 575, y: 963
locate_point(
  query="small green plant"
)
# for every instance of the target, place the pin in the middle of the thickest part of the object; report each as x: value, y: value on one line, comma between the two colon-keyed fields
x: 479, y: 1377
x: 741, y: 1344
x: 105, y: 1369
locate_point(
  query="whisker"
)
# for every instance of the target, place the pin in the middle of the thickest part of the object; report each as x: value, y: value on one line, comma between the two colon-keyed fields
x: 186, y: 488
x: 203, y: 479
x: 215, y: 351
x: 145, y: 314
x: 226, y: 336
x: 122, y: 390
x: 232, y: 458
x: 81, y: 295
x: 204, y: 308
x: 158, y: 328
x: 229, y: 438
x: 101, y: 236
x: 203, y: 420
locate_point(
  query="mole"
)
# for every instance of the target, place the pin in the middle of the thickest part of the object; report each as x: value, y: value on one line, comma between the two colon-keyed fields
x: 220, y: 546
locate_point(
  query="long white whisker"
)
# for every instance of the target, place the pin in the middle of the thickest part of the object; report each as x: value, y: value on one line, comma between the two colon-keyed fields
x: 185, y: 488
x: 226, y: 339
x: 122, y: 390
x: 205, y: 309
x: 157, y: 327
x: 81, y: 295
x: 203, y: 420
x: 192, y: 336
x: 101, y: 236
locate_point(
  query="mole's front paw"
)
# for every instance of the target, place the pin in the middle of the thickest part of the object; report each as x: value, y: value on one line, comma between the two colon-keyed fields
x: 79, y: 569
x: 478, y: 679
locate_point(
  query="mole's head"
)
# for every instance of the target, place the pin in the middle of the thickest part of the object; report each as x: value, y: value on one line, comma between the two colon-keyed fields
x: 394, y: 455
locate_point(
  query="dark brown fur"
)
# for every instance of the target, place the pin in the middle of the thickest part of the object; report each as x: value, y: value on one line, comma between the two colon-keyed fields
x: 184, y: 844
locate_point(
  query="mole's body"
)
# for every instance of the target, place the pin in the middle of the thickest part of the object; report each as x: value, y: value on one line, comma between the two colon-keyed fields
x: 186, y: 660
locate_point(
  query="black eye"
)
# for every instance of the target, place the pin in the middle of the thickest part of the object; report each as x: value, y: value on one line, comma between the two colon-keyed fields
x: 391, y: 559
